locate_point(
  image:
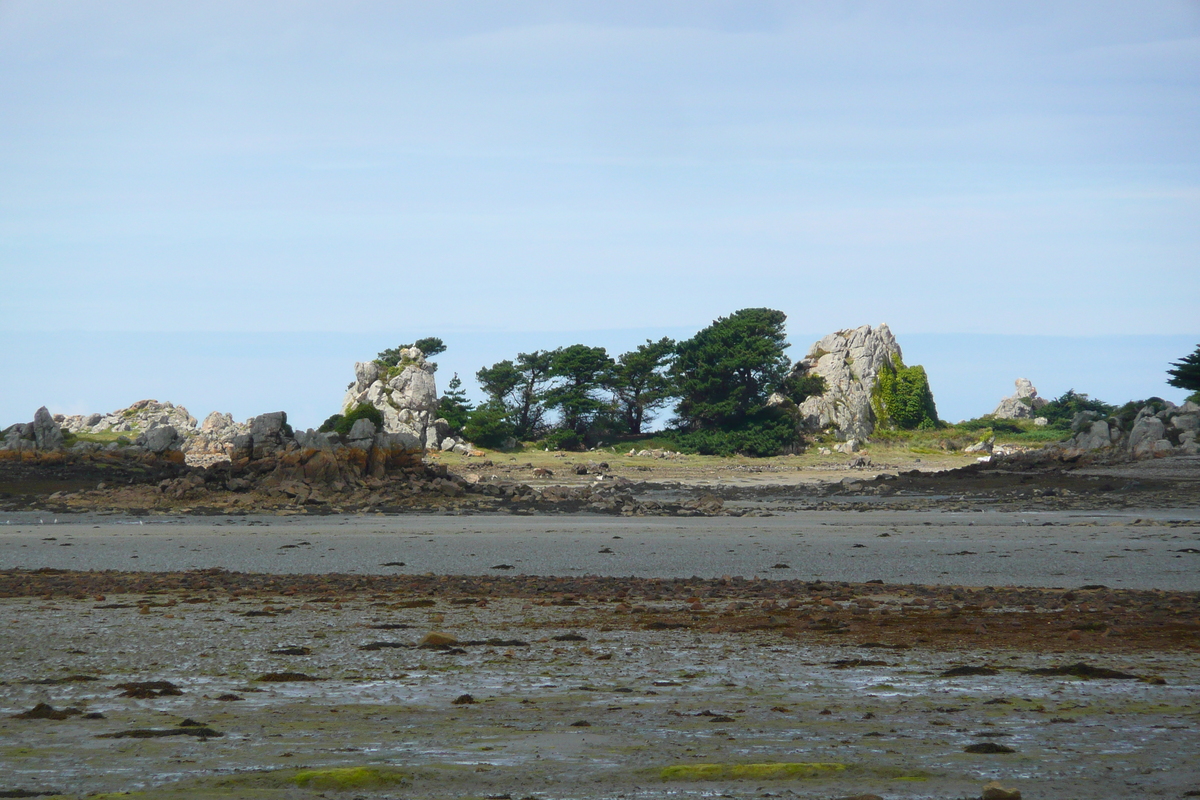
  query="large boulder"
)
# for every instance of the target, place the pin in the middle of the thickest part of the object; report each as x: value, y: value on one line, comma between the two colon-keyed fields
x: 268, y: 432
x: 850, y: 361
x: 1145, y: 437
x: 1097, y: 435
x: 158, y: 439
x: 1022, y: 405
x: 47, y: 435
x: 43, y: 434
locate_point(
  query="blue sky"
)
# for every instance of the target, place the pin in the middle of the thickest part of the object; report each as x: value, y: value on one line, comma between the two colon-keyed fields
x: 265, y: 175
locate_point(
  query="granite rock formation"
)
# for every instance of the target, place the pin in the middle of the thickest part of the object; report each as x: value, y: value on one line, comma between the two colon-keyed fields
x: 406, y: 395
x: 1022, y: 405
x: 850, y: 361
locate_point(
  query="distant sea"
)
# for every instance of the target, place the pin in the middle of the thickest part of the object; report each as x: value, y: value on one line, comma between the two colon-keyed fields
x: 306, y: 374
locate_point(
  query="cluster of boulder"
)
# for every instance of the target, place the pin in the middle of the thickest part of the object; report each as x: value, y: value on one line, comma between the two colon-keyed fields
x: 849, y: 361
x: 1159, y: 429
x: 151, y: 427
x: 406, y: 395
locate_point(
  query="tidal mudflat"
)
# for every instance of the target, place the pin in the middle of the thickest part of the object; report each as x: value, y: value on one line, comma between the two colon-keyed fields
x: 220, y: 684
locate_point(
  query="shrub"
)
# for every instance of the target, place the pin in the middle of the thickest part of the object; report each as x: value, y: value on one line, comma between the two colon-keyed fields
x: 763, y: 435
x: 489, y: 425
x: 345, y: 422
x: 1062, y: 409
x: 562, y: 439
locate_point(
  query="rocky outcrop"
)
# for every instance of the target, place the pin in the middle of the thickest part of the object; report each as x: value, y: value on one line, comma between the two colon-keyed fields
x: 849, y: 361
x: 44, y: 434
x: 141, y: 416
x: 406, y: 395
x: 1159, y: 429
x: 214, y: 441
x: 270, y: 455
x: 1022, y: 405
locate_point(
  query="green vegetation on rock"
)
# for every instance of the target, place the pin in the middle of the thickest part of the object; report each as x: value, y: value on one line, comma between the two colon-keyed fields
x: 430, y: 346
x: 902, y: 398
x: 342, y: 423
x: 1060, y: 411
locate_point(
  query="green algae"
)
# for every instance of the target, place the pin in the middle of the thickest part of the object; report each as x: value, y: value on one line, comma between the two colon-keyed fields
x: 770, y: 771
x: 343, y: 778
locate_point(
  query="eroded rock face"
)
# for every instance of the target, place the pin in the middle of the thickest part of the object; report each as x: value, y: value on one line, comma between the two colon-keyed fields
x: 406, y: 395
x: 849, y: 361
x: 1022, y: 405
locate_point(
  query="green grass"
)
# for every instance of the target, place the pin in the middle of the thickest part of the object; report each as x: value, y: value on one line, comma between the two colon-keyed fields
x: 957, y: 437
x: 104, y: 437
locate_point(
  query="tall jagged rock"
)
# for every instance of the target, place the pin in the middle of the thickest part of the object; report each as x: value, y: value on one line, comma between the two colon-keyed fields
x: 850, y: 361
x: 405, y: 394
x: 1021, y: 405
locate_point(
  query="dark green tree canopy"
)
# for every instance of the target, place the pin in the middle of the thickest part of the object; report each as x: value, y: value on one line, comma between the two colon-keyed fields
x: 519, y: 388
x: 1186, y: 374
x: 725, y: 373
x: 641, y: 383
x: 581, y: 372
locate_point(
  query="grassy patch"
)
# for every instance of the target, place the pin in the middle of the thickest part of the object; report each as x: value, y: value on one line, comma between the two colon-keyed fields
x: 104, y: 437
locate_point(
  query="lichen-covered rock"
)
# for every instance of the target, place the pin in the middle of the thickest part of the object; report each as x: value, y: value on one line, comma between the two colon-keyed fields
x: 850, y: 361
x: 1021, y: 405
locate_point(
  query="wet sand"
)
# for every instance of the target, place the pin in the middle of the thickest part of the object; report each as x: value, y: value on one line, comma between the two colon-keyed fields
x: 1127, y: 549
